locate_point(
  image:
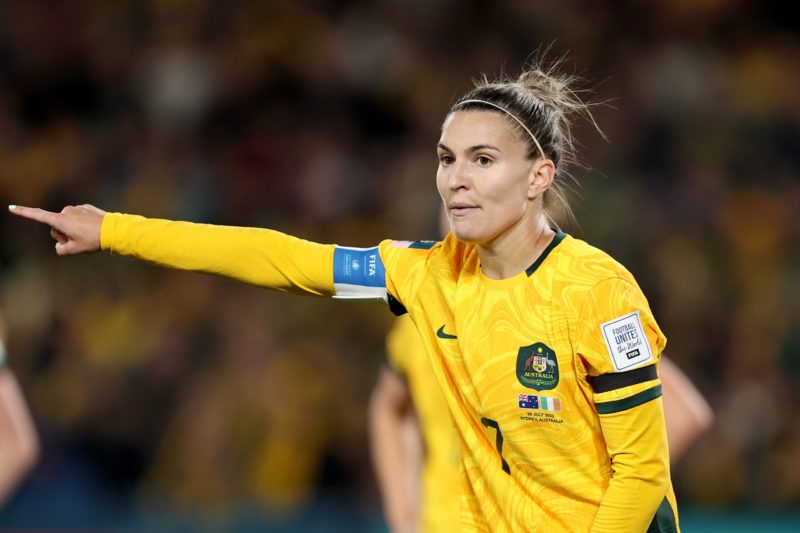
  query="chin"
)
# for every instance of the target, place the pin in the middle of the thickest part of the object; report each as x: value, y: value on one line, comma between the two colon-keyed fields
x: 466, y: 235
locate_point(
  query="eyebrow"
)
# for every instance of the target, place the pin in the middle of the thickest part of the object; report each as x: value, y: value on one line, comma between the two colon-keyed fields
x: 472, y: 149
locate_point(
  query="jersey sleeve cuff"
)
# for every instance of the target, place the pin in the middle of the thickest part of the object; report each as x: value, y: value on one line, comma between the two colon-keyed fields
x: 107, y: 230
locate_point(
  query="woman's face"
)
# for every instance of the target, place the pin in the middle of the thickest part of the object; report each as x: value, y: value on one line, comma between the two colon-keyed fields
x: 484, y: 176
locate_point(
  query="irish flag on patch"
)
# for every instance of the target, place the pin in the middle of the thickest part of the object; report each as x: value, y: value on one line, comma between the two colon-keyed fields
x: 549, y: 404
x: 538, y: 403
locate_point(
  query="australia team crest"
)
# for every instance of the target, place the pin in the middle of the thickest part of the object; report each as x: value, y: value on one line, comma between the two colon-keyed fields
x: 537, y: 367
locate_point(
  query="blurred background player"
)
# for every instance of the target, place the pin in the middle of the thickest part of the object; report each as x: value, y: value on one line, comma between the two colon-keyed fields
x: 413, y: 444
x: 19, y: 444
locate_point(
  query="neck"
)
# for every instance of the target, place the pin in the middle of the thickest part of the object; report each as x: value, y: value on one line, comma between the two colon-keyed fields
x: 516, y: 249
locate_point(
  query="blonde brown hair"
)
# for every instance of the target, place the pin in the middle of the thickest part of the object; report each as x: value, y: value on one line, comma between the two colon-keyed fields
x: 542, y: 104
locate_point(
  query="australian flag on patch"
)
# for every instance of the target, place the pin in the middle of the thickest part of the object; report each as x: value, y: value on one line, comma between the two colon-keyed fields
x: 528, y: 401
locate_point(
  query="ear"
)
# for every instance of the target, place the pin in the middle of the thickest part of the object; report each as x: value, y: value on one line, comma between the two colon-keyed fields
x: 540, y: 178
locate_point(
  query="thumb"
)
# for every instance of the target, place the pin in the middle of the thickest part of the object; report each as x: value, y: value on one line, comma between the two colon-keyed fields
x: 65, y: 248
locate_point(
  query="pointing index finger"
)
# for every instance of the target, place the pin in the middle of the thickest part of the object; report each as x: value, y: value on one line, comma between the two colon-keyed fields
x: 34, y: 213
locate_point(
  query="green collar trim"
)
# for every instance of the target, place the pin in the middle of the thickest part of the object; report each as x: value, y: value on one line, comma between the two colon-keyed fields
x: 560, y: 235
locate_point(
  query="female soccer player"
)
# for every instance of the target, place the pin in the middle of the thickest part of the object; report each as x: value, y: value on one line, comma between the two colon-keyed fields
x: 414, y: 448
x: 544, y: 347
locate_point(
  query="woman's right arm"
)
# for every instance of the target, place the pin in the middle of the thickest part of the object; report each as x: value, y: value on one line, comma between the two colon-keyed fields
x: 261, y: 257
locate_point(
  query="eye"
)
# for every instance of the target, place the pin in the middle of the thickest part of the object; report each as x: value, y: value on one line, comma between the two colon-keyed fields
x: 446, y: 159
x: 483, y: 160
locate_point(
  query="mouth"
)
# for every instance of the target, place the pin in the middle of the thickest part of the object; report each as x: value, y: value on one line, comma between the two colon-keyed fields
x: 461, y: 208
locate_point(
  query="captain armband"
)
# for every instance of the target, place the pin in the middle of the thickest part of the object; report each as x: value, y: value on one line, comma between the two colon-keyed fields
x: 359, y: 274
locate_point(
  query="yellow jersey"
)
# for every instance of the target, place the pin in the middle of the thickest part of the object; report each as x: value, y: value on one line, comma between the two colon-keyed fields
x: 550, y: 379
x: 549, y: 376
x: 439, y: 483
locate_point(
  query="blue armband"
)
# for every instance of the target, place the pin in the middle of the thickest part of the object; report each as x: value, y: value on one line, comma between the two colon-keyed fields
x: 358, y: 273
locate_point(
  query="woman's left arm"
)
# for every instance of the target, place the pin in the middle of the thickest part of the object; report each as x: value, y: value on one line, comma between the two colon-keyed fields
x: 636, y: 439
x: 620, y: 345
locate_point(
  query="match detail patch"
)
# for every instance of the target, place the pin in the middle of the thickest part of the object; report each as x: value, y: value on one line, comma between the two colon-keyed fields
x: 626, y: 342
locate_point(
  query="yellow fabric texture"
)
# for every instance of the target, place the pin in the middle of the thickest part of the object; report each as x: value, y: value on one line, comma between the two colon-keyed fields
x: 440, y: 483
x: 561, y: 457
x: 256, y: 256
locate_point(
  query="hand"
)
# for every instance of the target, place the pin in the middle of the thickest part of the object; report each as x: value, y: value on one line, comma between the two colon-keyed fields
x: 76, y: 229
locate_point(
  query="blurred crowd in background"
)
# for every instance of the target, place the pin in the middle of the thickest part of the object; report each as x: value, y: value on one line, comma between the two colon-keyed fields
x: 176, y: 393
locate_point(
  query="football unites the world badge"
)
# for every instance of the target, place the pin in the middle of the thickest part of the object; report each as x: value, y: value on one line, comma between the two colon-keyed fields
x: 537, y: 367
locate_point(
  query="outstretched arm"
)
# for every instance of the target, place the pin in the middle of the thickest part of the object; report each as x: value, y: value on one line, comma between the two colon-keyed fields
x: 396, y: 466
x: 687, y: 413
x: 261, y: 257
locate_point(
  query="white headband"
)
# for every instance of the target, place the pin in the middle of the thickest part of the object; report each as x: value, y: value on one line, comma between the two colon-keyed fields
x: 507, y: 112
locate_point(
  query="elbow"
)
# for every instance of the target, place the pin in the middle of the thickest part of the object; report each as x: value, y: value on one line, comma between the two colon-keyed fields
x: 658, y: 469
x: 661, y: 482
x: 651, y: 475
x: 705, y: 417
x: 651, y: 487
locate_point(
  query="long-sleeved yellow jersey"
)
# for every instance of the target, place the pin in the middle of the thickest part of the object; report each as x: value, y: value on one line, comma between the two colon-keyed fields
x: 550, y: 375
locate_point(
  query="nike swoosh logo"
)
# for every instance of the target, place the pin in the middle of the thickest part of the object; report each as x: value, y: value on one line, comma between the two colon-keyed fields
x: 442, y: 335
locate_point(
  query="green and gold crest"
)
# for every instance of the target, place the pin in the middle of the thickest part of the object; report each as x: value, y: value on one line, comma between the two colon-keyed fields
x: 537, y: 367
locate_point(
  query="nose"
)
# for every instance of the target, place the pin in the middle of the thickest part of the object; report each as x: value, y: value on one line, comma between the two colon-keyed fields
x: 458, y: 177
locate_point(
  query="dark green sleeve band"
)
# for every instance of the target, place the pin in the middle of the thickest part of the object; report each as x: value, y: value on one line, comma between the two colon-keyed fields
x: 607, y: 382
x: 606, y: 408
